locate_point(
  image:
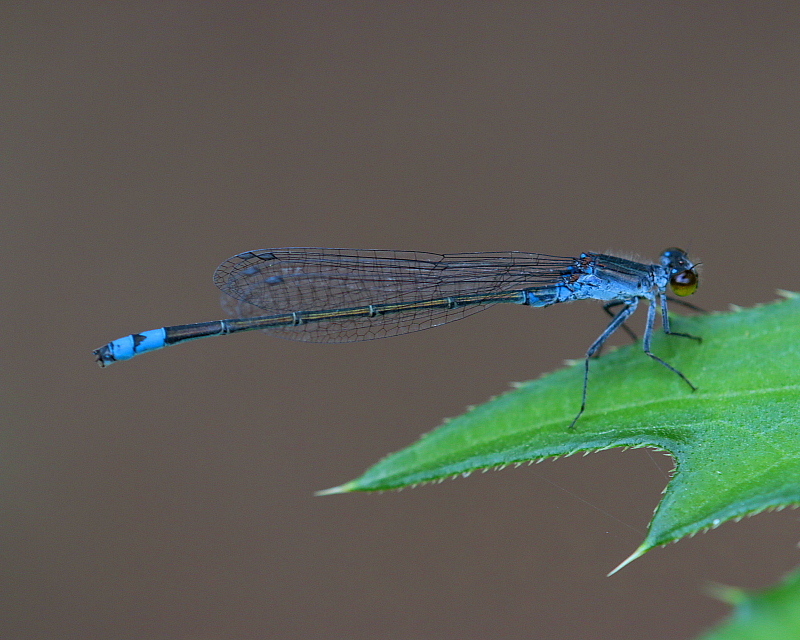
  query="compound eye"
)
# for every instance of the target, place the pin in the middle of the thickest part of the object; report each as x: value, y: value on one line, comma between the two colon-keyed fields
x: 684, y: 283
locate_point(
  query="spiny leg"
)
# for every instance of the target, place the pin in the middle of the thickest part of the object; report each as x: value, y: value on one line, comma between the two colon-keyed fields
x: 619, y: 319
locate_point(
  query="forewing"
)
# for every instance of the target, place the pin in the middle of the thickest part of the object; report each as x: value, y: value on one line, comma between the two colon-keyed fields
x: 275, y: 281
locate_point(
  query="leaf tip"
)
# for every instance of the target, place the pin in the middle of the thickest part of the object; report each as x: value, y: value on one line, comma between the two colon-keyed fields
x: 347, y: 487
x: 636, y: 554
x: 789, y: 295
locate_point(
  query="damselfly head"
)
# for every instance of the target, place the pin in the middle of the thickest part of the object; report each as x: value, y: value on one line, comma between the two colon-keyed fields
x: 683, y: 278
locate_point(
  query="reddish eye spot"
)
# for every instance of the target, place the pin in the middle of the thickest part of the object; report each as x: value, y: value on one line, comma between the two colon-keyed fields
x: 684, y: 283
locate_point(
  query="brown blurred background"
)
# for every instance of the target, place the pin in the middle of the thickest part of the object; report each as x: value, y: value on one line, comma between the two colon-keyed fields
x: 171, y: 496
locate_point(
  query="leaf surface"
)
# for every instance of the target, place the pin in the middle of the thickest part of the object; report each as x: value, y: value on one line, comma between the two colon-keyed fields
x: 735, y: 441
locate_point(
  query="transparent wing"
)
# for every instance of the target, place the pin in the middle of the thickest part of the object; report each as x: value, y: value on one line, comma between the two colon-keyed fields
x: 274, y: 281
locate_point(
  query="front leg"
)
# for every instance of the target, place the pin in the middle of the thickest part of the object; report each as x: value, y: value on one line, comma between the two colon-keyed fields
x: 665, y: 320
x: 648, y: 336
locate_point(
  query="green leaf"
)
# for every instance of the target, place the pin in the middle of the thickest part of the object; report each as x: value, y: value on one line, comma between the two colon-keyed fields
x: 773, y: 614
x: 735, y: 440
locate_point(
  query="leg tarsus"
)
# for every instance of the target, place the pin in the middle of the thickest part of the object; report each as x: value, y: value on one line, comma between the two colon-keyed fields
x: 671, y: 368
x: 685, y: 335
